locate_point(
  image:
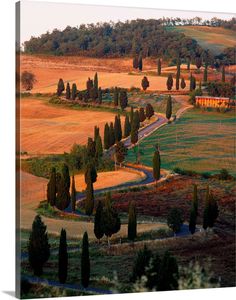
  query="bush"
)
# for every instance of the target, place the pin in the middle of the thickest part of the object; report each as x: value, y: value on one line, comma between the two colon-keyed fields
x: 175, y: 219
x: 224, y: 175
x: 184, y: 172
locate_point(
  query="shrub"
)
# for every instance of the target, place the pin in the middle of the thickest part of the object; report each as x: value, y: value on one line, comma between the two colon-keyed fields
x: 224, y: 174
x: 175, y: 219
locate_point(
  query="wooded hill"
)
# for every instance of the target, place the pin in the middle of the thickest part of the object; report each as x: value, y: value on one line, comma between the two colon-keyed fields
x: 150, y: 37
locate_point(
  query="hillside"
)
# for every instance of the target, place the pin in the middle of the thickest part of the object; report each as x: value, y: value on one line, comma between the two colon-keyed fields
x: 216, y: 39
x: 115, y: 39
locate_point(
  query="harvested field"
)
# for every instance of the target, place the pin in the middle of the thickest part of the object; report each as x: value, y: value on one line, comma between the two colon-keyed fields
x: 47, y: 129
x: 33, y: 190
x: 109, y: 179
x: 49, y: 69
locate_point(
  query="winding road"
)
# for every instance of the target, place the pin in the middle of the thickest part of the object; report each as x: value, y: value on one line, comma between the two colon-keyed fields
x: 143, y: 132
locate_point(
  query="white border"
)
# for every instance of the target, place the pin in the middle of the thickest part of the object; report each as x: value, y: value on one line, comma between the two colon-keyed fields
x: 7, y: 133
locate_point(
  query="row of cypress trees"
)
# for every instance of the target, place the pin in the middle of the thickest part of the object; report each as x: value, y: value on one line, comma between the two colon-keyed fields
x: 120, y: 97
x: 93, y: 91
x: 210, y: 213
x: 39, y: 252
x: 58, y: 188
x: 170, y: 81
x: 112, y: 133
x: 107, y: 221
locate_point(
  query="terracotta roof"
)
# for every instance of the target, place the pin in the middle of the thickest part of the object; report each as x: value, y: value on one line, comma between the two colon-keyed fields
x: 212, y: 98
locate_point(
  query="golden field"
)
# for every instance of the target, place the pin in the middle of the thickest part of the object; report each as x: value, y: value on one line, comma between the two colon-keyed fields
x: 77, y: 70
x: 46, y: 129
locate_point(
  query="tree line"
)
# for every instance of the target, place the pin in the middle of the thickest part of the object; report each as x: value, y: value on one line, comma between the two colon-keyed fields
x: 115, y: 39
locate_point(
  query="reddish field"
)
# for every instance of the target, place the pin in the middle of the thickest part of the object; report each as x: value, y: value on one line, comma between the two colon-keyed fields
x: 216, y: 249
x: 48, y: 129
x: 179, y: 192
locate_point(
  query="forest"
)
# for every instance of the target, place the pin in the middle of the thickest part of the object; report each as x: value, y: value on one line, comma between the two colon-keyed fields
x: 150, y: 37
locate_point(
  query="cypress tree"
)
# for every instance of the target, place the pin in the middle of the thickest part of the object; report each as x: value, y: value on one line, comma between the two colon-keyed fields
x: 149, y: 111
x: 142, y: 116
x: 131, y: 114
x: 205, y: 75
x: 182, y: 84
x: 52, y: 188
x: 132, y: 222
x: 60, y: 87
x: 134, y: 135
x: 85, y: 261
x: 63, y: 194
x: 117, y: 129
x: 62, y: 258
x: 90, y: 173
x: 169, y: 107
x: 223, y: 74
x: 123, y: 99
x: 192, y: 82
x: 213, y: 211
x: 89, y: 200
x: 73, y: 194
x: 145, y: 83
x: 68, y: 91
x: 91, y: 148
x: 95, y: 85
x: 120, y: 152
x: 177, y: 75
x: 159, y: 67
x: 99, y: 148
x: 66, y: 175
x: 106, y: 137
x: 192, y: 221
x: 99, y: 96
x: 135, y: 128
x: 169, y: 82
x: 156, y: 165
x: 112, y: 138
x: 127, y: 127
x: 116, y: 96
x: 96, y: 132
x: 38, y: 246
x: 140, y: 62
x: 98, y: 229
x: 89, y: 86
x: 206, y: 210
x: 136, y: 120
x: 73, y: 91
x: 195, y: 199
x: 110, y: 219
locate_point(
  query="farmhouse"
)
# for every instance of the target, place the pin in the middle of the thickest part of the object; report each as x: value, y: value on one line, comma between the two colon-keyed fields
x: 206, y: 101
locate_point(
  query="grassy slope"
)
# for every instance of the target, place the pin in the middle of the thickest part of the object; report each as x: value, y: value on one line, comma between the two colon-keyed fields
x: 199, y: 141
x: 213, y: 38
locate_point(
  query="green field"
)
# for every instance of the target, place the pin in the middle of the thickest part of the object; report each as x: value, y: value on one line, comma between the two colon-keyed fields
x: 200, y: 141
x: 214, y: 38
